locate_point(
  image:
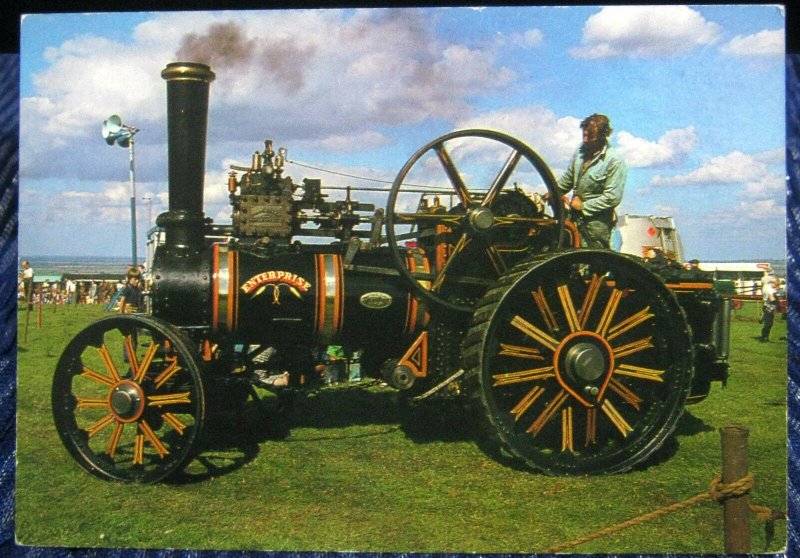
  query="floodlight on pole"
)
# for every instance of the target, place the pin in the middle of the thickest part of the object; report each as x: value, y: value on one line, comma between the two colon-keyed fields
x: 114, y: 131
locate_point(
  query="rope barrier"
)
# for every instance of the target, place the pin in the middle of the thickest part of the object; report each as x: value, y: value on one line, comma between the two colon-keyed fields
x: 717, y: 492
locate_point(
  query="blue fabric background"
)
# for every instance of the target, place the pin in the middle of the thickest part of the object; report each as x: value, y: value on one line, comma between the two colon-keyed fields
x: 9, y: 156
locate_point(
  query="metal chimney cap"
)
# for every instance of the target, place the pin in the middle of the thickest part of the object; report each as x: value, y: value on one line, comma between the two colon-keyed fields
x: 188, y: 71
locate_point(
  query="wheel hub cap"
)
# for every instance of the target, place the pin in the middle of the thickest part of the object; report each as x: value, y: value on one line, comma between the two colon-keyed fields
x: 585, y: 361
x: 126, y: 401
x: 583, y: 364
x: 481, y: 219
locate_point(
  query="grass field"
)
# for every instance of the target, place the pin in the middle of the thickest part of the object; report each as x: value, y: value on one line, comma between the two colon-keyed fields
x: 358, y: 473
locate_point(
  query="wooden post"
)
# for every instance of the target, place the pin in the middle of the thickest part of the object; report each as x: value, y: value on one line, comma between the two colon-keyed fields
x: 735, y: 510
x: 39, y: 310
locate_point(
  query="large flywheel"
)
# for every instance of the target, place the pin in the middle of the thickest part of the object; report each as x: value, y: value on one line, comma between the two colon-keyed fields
x: 491, y: 222
x: 583, y: 361
x: 128, y: 399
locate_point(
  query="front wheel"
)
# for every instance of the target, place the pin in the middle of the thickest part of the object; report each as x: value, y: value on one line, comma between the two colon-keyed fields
x: 128, y: 399
x: 583, y: 361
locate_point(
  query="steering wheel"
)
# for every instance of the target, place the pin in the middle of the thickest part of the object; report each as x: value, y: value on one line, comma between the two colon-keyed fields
x: 470, y: 239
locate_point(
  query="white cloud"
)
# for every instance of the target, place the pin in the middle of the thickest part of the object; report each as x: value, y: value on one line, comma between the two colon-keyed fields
x: 532, y: 38
x: 733, y: 168
x: 554, y: 138
x: 763, y: 43
x: 347, y: 74
x: 644, y: 31
x: 669, y: 149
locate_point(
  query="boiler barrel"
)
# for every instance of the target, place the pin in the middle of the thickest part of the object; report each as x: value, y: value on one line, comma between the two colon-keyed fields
x: 313, y: 297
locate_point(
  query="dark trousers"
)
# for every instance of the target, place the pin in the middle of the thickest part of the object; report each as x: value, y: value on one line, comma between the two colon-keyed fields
x: 767, y: 320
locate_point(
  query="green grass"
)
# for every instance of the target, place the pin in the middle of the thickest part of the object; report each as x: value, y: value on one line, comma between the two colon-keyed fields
x: 357, y: 472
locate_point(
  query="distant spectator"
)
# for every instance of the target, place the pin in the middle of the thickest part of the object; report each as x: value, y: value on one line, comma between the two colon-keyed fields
x: 692, y: 265
x: 770, y: 304
x: 26, y: 276
x: 131, y: 298
x: 69, y: 288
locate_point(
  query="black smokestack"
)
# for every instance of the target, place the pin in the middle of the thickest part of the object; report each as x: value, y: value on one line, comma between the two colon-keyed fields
x: 187, y: 118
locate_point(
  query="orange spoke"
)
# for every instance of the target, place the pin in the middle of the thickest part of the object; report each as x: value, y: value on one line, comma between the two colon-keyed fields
x: 589, y: 299
x: 520, y: 352
x: 153, y: 439
x: 566, y: 430
x: 608, y: 313
x: 99, y: 425
x: 174, y: 422
x: 623, y: 391
x: 115, y: 437
x: 613, y: 414
x: 130, y: 351
x: 569, y: 308
x: 629, y: 323
x: 91, y: 402
x: 634, y: 347
x: 168, y: 399
x: 167, y: 373
x: 502, y: 178
x: 97, y: 377
x: 453, y: 176
x: 548, y: 413
x: 591, y: 425
x: 640, y: 372
x: 138, y: 450
x: 525, y: 403
x: 523, y: 376
x: 109, y: 362
x: 544, y: 308
x: 534, y: 332
x: 146, y: 361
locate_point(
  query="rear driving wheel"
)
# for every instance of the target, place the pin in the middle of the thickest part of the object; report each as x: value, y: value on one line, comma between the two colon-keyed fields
x: 128, y: 399
x: 583, y: 360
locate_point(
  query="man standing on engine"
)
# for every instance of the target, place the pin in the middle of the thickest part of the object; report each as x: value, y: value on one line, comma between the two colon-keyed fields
x: 596, y: 175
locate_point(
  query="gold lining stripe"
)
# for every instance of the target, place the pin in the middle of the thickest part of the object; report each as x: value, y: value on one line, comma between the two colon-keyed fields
x: 551, y: 409
x: 534, y: 332
x: 523, y: 376
x: 608, y: 312
x: 640, y: 372
x: 544, y: 308
x: 330, y: 296
x: 566, y: 430
x: 588, y: 301
x: 591, y: 426
x: 629, y: 323
x: 616, y: 418
x: 526, y: 402
x: 115, y: 437
x: 634, y: 347
x: 569, y: 308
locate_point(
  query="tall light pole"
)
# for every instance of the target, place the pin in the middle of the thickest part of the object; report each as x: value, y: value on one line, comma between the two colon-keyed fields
x: 149, y: 200
x: 114, y: 131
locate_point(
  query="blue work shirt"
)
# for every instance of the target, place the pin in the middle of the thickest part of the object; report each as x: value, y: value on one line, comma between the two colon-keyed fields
x: 600, y: 184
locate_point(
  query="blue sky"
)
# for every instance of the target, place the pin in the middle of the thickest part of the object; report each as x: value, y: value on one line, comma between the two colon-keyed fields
x: 695, y: 95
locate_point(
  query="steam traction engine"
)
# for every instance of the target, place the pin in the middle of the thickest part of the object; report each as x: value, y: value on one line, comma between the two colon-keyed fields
x: 580, y: 361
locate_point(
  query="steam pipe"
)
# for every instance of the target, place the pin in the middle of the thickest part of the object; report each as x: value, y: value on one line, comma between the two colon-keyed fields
x: 187, y: 117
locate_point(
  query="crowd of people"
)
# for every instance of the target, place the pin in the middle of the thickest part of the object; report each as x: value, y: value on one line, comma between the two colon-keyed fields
x: 71, y: 291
